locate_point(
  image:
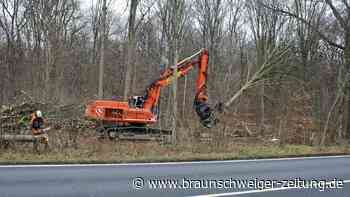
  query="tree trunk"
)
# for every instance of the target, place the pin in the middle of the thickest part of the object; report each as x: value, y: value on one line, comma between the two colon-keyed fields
x: 48, y: 82
x: 102, y: 53
x: 131, y: 48
x: 184, y: 99
x: 260, y: 47
x: 174, y: 88
x: 174, y: 51
x: 347, y: 66
x: 262, y: 109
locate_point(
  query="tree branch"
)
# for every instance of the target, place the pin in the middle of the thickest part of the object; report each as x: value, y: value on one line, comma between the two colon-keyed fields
x: 323, y: 37
x: 143, y: 15
x: 337, y: 14
x: 347, y: 5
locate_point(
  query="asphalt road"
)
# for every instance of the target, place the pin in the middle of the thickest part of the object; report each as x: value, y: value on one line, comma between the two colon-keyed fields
x: 121, y: 180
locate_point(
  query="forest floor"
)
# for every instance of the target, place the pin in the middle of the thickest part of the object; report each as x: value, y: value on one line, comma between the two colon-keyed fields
x: 236, y: 138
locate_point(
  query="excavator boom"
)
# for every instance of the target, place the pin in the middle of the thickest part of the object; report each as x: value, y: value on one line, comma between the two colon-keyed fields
x: 201, y: 105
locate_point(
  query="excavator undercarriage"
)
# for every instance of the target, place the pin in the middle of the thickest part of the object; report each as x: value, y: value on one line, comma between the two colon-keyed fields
x: 134, y: 132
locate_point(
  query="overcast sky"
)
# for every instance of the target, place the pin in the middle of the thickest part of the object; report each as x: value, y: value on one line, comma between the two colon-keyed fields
x: 119, y: 6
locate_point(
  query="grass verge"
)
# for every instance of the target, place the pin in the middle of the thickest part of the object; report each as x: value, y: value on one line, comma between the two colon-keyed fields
x: 150, y: 152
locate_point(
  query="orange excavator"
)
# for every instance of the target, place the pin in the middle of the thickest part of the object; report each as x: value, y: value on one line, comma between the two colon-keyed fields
x: 117, y: 118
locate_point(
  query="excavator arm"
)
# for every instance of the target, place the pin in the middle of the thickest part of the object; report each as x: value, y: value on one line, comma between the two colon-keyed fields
x: 201, y: 106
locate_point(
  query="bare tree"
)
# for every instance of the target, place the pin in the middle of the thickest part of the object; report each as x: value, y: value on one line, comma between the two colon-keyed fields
x: 341, y: 13
x: 237, y: 44
x: 307, y: 37
x: 342, y: 16
x: 12, y: 22
x: 102, y: 53
x: 53, y: 19
x: 95, y: 22
x: 177, y: 21
x: 265, y: 26
x: 131, y: 46
x: 210, y: 15
x: 172, y: 13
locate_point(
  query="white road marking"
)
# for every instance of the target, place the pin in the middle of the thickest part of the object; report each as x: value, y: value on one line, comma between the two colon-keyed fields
x: 172, y: 163
x: 254, y: 191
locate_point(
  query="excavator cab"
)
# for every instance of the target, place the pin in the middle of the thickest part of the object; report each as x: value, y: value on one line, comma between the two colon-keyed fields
x: 136, y: 101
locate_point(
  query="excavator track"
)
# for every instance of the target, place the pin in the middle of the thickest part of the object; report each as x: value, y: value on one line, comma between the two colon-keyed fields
x: 137, y: 133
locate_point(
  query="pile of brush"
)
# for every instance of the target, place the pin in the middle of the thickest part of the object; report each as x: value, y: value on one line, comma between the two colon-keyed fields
x: 15, y: 119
